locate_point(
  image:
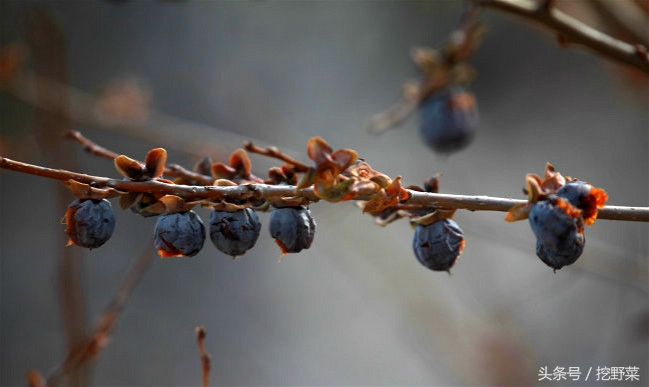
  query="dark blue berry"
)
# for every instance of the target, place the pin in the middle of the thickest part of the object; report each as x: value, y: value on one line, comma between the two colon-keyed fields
x: 89, y: 222
x: 438, y: 245
x: 575, y: 192
x: 293, y: 228
x: 558, y: 227
x: 234, y: 233
x: 585, y: 197
x: 448, y: 120
x: 179, y: 234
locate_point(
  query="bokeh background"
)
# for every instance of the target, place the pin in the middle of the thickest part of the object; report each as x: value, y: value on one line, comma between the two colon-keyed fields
x: 356, y: 308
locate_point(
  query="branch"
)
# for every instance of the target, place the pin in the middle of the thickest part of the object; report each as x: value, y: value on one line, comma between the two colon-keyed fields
x: 206, y: 359
x: 266, y: 191
x: 173, y: 170
x: 571, y: 30
x: 90, y: 348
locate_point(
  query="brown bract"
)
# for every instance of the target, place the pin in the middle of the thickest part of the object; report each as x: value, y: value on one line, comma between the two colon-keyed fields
x: 327, y: 177
x: 153, y: 167
x: 386, y: 197
x: 85, y: 191
x: 239, y: 169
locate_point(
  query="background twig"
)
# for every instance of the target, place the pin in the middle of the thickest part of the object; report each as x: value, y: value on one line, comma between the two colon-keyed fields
x: 206, y: 359
x: 573, y: 31
x: 88, y: 350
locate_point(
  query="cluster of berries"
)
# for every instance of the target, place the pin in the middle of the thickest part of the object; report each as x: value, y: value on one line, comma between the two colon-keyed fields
x: 557, y: 209
x: 179, y: 231
x: 90, y: 223
x: 233, y: 233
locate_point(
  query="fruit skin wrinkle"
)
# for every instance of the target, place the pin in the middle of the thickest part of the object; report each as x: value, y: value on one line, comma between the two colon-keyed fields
x: 438, y: 245
x: 89, y: 222
x: 234, y: 233
x: 293, y: 228
x: 179, y: 234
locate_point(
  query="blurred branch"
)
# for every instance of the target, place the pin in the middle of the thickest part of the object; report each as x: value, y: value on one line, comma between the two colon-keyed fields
x: 47, y: 44
x: 265, y: 191
x: 206, y: 359
x: 190, y: 137
x: 572, y: 31
x: 89, y: 349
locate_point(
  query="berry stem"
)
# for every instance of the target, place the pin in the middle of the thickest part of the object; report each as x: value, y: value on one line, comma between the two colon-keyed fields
x: 265, y: 191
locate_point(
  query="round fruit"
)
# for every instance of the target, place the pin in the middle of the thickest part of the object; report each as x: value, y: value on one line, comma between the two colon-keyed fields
x: 89, y: 222
x: 234, y: 233
x: 293, y: 228
x: 179, y: 234
x: 449, y: 120
x: 585, y: 197
x: 438, y: 245
x: 558, y: 227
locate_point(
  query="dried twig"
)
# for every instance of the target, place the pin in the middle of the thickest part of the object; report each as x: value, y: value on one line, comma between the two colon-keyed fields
x: 572, y: 31
x: 47, y: 43
x: 206, y: 359
x: 275, y: 153
x: 173, y: 170
x: 265, y: 191
x: 90, y: 348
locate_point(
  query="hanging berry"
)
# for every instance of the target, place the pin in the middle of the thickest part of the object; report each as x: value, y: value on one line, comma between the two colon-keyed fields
x: 89, y: 222
x: 234, y: 233
x: 293, y: 228
x: 558, y: 227
x: 179, y: 234
x: 448, y: 120
x: 557, y: 209
x: 438, y: 245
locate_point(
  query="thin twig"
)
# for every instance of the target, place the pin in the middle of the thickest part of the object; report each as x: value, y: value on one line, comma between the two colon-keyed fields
x: 173, y: 170
x: 571, y: 30
x: 206, y: 359
x: 48, y: 47
x: 265, y: 191
x: 90, y: 348
x: 275, y: 153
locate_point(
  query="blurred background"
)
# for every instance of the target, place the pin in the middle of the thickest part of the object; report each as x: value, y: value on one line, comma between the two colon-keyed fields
x: 200, y: 77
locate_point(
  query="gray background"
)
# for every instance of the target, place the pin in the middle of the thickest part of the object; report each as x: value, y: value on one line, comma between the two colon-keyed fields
x: 357, y: 308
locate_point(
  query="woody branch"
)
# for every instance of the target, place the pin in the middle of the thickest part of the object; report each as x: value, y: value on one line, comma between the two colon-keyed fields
x: 266, y: 191
x: 572, y: 31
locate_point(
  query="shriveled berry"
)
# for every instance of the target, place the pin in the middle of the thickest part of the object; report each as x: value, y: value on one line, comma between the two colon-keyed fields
x: 438, y: 245
x: 293, y: 228
x: 585, y: 197
x: 234, y: 233
x: 179, y: 234
x: 89, y: 222
x: 449, y: 120
x: 558, y: 227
